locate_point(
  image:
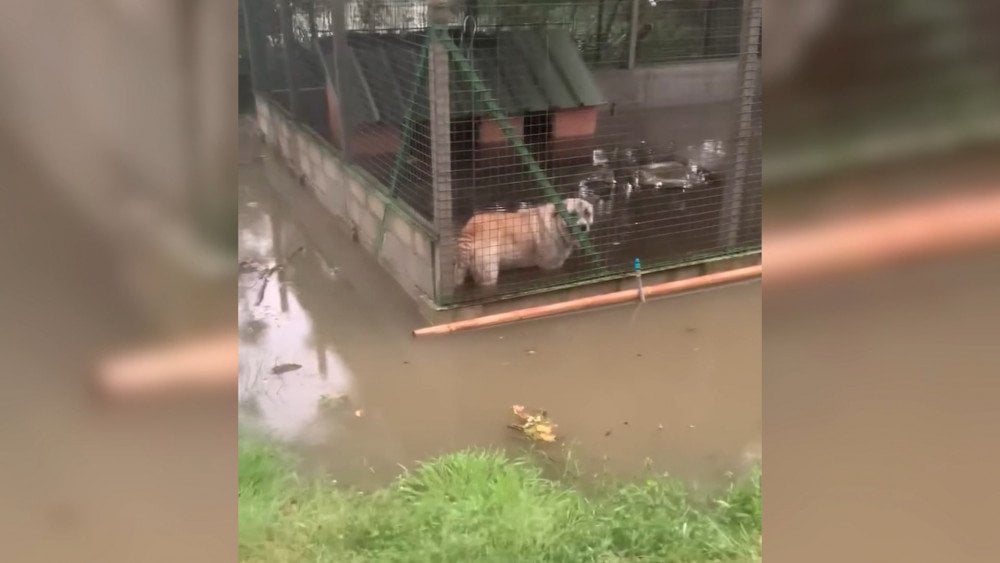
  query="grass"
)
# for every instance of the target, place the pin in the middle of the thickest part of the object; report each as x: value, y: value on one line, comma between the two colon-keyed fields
x: 483, y: 506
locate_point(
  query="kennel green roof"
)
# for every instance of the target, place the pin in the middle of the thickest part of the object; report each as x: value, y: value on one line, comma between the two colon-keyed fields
x: 526, y: 70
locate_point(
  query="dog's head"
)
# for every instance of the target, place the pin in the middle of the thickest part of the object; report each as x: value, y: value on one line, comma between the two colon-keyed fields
x: 581, y: 212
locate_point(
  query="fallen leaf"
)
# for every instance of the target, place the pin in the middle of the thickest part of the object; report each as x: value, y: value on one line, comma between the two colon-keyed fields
x: 283, y: 368
x: 536, y: 426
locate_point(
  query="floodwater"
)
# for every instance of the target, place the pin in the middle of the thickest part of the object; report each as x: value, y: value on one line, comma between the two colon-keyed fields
x: 328, y: 366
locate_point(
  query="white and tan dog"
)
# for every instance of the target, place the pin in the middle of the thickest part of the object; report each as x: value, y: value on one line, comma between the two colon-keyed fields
x: 536, y: 236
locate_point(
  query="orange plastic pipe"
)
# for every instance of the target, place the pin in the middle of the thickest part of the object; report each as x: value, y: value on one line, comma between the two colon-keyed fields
x: 590, y: 302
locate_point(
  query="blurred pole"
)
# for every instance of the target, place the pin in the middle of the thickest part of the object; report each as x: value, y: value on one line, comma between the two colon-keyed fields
x: 287, y: 39
x: 747, y: 99
x: 440, y: 123
x: 338, y: 15
x: 311, y: 14
x: 255, y: 45
x: 706, y: 20
x: 599, y: 32
x: 633, y: 34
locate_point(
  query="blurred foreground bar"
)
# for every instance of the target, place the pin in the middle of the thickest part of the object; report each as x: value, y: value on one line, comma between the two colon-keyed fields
x: 203, y: 365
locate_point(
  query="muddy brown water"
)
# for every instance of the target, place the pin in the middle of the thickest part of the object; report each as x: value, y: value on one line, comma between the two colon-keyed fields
x: 670, y: 385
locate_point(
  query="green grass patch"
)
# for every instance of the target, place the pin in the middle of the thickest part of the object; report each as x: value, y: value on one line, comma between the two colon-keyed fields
x: 484, y: 506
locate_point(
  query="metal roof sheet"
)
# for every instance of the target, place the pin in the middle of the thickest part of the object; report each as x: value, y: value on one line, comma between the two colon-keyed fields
x: 525, y: 70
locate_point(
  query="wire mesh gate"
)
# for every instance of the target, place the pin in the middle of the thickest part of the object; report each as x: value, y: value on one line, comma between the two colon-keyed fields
x: 549, y: 143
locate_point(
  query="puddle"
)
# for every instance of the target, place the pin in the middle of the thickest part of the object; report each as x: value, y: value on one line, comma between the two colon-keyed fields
x: 671, y: 385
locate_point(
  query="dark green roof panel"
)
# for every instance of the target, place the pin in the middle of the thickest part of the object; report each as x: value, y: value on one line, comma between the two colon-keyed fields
x: 525, y: 70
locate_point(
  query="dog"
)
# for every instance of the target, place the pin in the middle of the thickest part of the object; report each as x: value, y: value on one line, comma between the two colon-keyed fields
x: 534, y: 236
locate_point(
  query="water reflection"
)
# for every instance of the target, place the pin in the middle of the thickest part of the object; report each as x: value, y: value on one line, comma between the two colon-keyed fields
x: 276, y: 330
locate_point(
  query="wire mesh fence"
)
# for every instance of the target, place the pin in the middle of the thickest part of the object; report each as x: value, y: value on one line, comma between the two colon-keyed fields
x: 548, y: 143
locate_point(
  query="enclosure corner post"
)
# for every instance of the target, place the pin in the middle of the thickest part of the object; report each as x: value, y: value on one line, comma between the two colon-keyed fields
x: 338, y: 17
x: 440, y: 141
x: 255, y: 45
x: 748, y: 88
x: 287, y: 40
x: 633, y: 34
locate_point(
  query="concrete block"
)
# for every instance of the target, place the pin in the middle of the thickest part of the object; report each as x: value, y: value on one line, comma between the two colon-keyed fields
x: 331, y: 198
x: 422, y: 273
x: 375, y: 205
x: 399, y: 227
x: 367, y: 226
x: 395, y: 258
x: 422, y: 246
x: 333, y: 168
x: 354, y: 210
x: 357, y: 190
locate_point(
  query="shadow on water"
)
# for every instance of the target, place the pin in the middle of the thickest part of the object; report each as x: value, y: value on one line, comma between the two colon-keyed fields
x: 327, y: 363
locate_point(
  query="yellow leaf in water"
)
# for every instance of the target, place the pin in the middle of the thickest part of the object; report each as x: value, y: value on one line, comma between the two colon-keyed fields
x: 543, y: 428
x: 546, y: 436
x: 535, y: 426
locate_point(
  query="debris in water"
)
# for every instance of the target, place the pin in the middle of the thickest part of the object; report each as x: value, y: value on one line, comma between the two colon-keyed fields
x: 659, y: 427
x: 266, y: 276
x: 536, y: 426
x: 358, y: 413
x: 252, y: 204
x: 625, y: 423
x: 283, y: 368
x: 608, y: 433
x: 332, y: 403
x: 295, y: 253
x: 690, y: 425
x: 531, y: 351
x: 260, y: 292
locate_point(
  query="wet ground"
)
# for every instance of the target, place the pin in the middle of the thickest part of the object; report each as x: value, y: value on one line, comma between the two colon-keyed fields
x: 327, y: 363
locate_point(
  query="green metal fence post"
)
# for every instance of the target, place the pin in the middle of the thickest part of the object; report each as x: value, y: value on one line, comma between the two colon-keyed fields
x: 749, y: 81
x: 439, y: 97
x: 287, y: 40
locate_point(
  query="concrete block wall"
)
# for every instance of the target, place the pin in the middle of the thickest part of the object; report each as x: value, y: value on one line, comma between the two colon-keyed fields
x: 352, y: 195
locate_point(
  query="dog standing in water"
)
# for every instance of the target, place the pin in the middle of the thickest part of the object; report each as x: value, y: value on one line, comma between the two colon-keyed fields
x: 536, y: 236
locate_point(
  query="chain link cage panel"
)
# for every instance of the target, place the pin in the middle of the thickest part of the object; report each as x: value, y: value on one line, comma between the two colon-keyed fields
x: 504, y: 124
